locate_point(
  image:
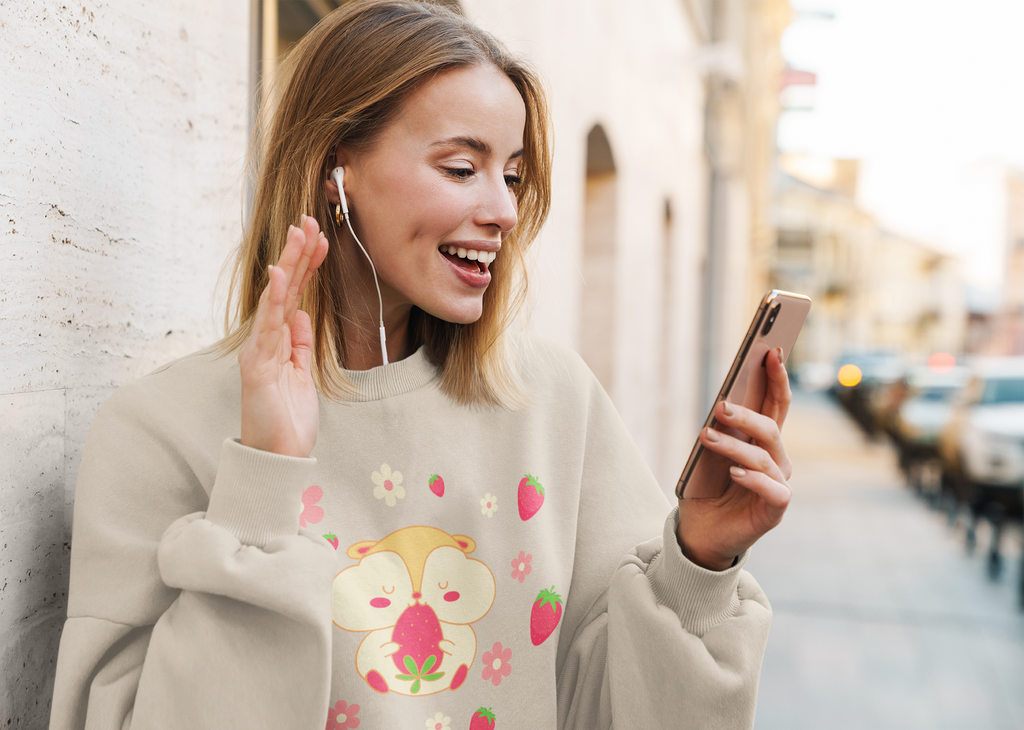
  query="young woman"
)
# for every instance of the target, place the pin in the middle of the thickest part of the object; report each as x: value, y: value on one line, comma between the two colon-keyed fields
x: 300, y: 535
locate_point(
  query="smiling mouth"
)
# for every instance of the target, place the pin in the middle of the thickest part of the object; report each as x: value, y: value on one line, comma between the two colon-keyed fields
x: 469, y: 259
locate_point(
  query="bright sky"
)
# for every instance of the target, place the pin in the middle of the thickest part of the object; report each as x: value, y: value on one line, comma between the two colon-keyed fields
x: 930, y: 94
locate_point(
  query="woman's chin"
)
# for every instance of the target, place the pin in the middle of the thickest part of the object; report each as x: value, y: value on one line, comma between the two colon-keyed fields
x: 464, y: 313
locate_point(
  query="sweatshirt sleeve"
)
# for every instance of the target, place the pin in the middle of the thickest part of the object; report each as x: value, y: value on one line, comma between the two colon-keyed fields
x: 188, y: 611
x: 656, y: 641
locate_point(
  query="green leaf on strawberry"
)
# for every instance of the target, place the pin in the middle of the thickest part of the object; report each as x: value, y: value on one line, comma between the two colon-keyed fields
x: 418, y: 674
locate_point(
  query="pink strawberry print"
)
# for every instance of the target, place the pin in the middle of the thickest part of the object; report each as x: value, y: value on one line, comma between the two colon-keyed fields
x: 332, y: 538
x: 483, y: 719
x: 436, y: 485
x: 546, y: 613
x: 531, y: 497
x: 418, y: 634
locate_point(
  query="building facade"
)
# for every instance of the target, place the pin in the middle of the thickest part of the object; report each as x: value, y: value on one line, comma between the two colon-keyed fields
x: 872, y: 288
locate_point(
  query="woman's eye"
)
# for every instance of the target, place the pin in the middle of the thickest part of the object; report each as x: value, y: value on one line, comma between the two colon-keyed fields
x: 460, y: 173
x: 512, y: 180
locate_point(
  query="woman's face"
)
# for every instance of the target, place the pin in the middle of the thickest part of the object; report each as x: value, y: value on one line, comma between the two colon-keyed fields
x: 434, y: 197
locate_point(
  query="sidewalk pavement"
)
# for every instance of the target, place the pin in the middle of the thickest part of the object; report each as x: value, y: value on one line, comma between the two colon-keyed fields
x: 881, y: 618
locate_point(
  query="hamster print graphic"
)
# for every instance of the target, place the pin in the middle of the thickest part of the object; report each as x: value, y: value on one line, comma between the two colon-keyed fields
x: 416, y: 592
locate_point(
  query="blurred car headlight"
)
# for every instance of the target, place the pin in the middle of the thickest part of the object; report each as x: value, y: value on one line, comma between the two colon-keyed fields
x: 849, y: 375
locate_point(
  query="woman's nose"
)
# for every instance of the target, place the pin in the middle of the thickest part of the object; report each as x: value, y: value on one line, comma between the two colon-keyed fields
x: 499, y: 208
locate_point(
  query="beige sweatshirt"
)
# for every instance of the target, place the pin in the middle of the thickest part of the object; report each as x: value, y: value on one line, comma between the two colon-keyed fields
x: 429, y: 565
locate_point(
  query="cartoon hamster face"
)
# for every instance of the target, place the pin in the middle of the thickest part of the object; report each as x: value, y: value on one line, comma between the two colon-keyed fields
x: 415, y: 564
x: 416, y: 591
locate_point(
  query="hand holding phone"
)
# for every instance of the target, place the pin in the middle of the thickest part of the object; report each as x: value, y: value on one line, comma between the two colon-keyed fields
x: 775, y: 325
x: 735, y: 486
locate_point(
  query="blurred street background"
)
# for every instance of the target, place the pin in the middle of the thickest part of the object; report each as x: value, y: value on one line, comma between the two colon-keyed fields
x: 866, y: 153
x: 882, y: 618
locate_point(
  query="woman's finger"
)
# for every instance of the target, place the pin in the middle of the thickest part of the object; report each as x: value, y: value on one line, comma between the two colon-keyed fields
x: 269, y: 323
x: 259, y: 319
x: 748, y: 455
x: 316, y: 258
x: 763, y: 430
x: 310, y: 239
x: 302, y: 341
x: 777, y: 495
x: 319, y: 255
x: 291, y: 253
x: 778, y: 394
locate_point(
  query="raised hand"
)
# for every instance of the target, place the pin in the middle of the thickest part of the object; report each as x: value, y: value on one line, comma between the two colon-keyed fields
x: 712, y: 532
x: 280, y: 412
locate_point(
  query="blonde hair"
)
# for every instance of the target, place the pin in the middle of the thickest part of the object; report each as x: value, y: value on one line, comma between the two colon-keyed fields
x: 342, y: 84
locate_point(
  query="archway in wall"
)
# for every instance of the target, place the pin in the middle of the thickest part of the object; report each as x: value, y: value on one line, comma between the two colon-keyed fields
x: 597, y: 326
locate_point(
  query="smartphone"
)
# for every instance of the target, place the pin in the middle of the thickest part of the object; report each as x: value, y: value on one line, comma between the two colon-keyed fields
x: 777, y: 323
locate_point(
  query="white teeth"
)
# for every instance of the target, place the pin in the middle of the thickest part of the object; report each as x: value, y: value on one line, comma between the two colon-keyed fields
x: 484, y: 257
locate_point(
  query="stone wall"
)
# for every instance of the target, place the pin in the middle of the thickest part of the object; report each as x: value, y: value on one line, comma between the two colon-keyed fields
x: 124, y: 126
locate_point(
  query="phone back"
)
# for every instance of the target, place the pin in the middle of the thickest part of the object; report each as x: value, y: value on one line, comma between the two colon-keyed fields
x: 776, y: 323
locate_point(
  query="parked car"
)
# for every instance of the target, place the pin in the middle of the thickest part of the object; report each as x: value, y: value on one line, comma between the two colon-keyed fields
x: 920, y: 414
x: 981, y: 447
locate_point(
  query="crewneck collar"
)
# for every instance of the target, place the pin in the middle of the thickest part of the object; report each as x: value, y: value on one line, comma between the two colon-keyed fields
x: 385, y: 381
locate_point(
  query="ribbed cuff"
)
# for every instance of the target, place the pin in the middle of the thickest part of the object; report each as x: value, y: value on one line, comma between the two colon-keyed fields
x: 258, y: 494
x: 702, y: 598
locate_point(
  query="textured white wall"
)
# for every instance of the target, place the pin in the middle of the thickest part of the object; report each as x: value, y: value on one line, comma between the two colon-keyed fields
x: 123, y: 127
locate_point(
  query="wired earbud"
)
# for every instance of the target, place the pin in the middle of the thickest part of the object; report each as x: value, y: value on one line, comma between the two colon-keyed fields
x: 341, y: 211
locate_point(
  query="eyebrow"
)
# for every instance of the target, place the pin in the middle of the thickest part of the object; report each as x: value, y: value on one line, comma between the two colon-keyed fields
x: 474, y: 144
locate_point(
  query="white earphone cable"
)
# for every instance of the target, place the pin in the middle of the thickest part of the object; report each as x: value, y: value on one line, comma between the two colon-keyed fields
x: 338, y: 173
x: 376, y: 282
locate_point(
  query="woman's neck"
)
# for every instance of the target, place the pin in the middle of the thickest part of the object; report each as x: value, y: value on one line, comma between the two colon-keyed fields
x: 362, y: 342
x: 361, y: 326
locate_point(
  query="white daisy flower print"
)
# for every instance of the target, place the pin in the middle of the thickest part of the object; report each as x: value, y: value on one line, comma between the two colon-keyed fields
x: 440, y: 721
x: 388, y: 485
x: 489, y: 505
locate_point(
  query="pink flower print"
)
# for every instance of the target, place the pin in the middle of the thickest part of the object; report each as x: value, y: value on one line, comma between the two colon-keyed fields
x: 521, y: 566
x: 496, y: 663
x: 342, y: 716
x: 388, y: 485
x: 310, y: 512
x: 440, y: 721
